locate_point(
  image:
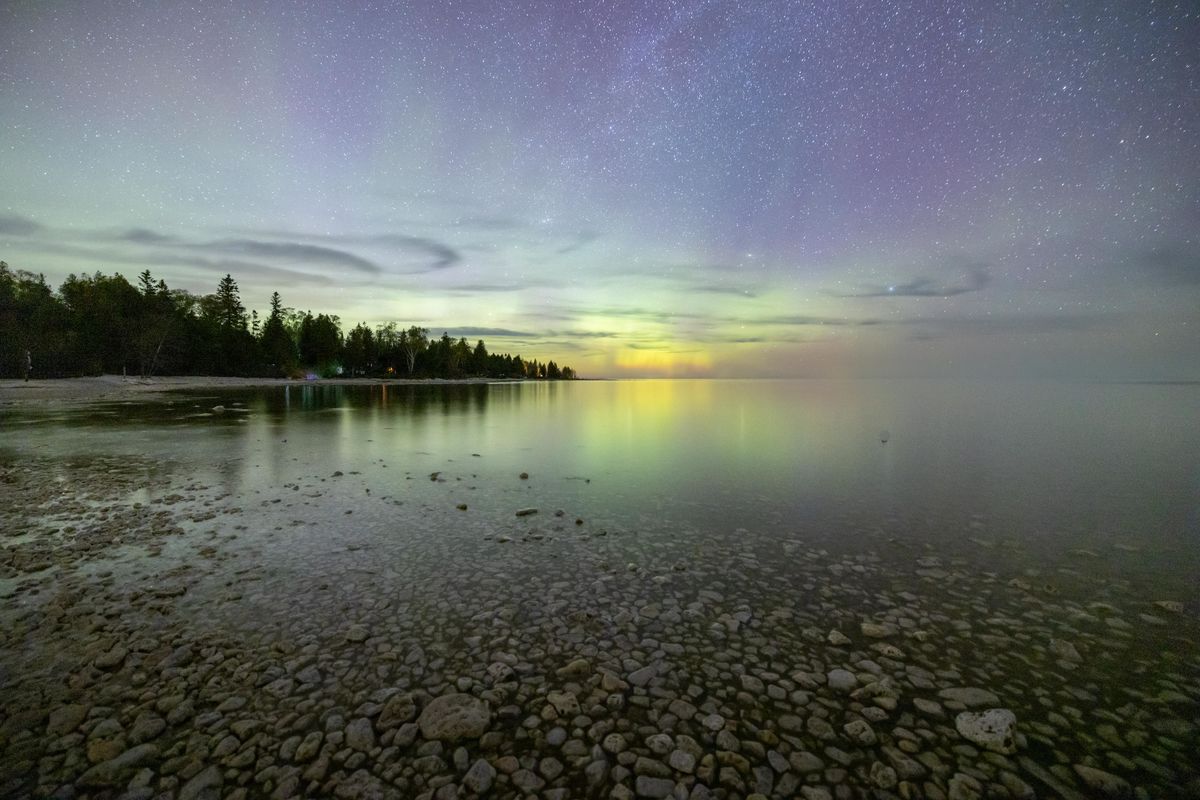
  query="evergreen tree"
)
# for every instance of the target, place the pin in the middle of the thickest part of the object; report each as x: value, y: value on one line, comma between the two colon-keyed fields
x: 276, y: 343
x: 232, y: 314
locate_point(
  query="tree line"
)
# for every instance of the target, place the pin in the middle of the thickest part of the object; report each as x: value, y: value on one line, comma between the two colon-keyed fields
x: 96, y: 324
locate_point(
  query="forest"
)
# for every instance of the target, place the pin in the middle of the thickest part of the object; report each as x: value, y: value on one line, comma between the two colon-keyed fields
x: 101, y: 324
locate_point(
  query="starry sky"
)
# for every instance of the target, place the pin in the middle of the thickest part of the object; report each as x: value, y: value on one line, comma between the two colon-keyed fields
x: 664, y: 187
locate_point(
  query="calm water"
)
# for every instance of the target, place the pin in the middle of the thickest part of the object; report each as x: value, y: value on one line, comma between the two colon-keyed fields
x: 1102, y: 477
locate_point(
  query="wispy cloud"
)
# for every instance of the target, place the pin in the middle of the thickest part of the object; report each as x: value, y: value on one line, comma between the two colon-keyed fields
x: 976, y: 278
x: 441, y: 254
x: 16, y: 225
x: 146, y: 236
x: 582, y: 240
x: 292, y: 251
x: 803, y: 320
x: 499, y: 332
x: 991, y: 324
x: 1172, y: 264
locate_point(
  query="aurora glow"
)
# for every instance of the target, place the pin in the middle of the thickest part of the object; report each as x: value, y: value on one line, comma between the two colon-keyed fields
x: 701, y: 188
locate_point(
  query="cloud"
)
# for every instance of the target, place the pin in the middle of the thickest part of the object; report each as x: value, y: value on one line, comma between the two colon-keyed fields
x: 441, y: 254
x: 16, y: 225
x: 501, y: 332
x: 729, y: 290
x: 1032, y: 324
x: 581, y: 241
x: 1173, y: 264
x: 146, y: 236
x: 98, y: 254
x: 806, y: 319
x: 977, y: 277
x: 485, y: 222
x: 485, y: 287
x: 293, y: 251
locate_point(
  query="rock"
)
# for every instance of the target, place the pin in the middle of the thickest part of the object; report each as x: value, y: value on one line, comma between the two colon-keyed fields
x: 111, y: 659
x: 579, y: 668
x: 360, y: 735
x: 930, y: 707
x: 309, y: 674
x: 752, y: 684
x: 837, y: 638
x: 860, y: 732
x: 994, y: 729
x: 499, y: 672
x: 614, y: 743
x: 681, y: 761
x: 1174, y: 606
x: 550, y: 768
x: 205, y: 785
x: 399, y: 708
x: 642, y: 676
x: 455, y: 716
x: 565, y: 703
x: 479, y: 777
x: 146, y: 727
x: 116, y: 770
x: 654, y: 787
x: 527, y: 781
x: 883, y: 776
x: 964, y: 787
x: 804, y: 762
x: 1105, y: 783
x: 970, y: 697
x: 65, y: 719
x: 525, y: 512
x: 611, y: 683
x: 307, y: 749
x: 1064, y: 650
x: 357, y: 633
x: 841, y: 680
x: 178, y: 658
x: 876, y: 631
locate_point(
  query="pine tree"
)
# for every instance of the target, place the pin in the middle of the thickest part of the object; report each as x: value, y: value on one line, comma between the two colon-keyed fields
x: 232, y: 314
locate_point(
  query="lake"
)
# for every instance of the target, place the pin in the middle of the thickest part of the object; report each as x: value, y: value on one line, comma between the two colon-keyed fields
x: 742, y: 575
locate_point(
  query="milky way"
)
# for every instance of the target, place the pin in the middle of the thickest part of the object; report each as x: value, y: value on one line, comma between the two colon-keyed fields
x: 684, y: 188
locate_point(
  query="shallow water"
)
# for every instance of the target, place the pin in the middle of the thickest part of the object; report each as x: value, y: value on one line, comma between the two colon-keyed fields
x: 724, y: 529
x: 1042, y: 468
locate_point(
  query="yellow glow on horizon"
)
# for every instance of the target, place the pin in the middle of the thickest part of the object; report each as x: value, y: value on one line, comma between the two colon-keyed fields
x: 663, y: 362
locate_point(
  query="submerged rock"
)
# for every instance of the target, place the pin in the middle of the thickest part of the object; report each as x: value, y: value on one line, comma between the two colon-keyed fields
x: 455, y: 716
x: 1105, y: 783
x: 994, y: 729
x: 970, y: 696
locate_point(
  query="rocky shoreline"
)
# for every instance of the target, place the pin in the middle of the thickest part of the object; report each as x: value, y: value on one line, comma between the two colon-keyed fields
x: 172, y: 638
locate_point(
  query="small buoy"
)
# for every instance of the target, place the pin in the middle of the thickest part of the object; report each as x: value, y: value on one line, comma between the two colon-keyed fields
x: 884, y: 436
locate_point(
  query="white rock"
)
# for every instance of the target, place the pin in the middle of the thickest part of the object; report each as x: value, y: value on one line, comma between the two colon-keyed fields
x: 994, y: 729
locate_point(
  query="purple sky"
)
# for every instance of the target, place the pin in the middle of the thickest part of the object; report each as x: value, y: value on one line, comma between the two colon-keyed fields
x: 721, y: 188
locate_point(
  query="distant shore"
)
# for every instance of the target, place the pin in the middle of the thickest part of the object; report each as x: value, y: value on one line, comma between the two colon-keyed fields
x: 117, y: 387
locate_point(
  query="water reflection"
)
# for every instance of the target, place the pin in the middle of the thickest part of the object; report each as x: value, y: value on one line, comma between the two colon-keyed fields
x: 1049, y: 466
